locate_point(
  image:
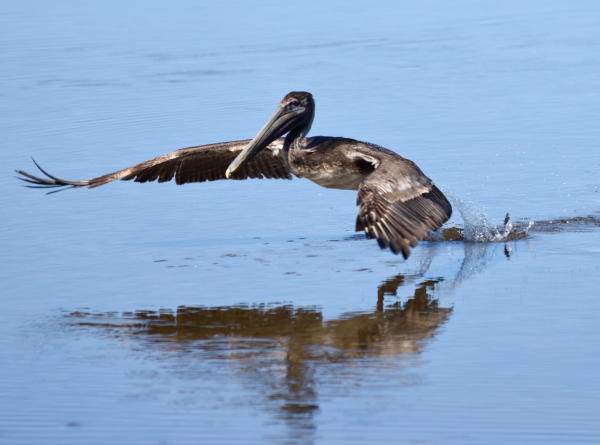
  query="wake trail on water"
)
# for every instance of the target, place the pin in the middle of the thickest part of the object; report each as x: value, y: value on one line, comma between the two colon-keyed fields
x: 478, y: 228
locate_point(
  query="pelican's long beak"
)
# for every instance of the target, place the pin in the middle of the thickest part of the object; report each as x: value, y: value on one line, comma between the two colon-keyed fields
x: 280, y: 123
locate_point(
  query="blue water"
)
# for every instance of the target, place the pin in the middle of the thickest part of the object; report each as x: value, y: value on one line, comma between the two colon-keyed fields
x: 248, y: 311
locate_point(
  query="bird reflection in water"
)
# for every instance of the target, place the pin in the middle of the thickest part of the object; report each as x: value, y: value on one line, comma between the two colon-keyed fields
x: 280, y: 347
x: 283, y: 351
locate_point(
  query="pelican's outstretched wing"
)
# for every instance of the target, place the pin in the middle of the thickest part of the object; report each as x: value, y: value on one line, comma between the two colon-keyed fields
x: 399, y: 205
x: 193, y: 164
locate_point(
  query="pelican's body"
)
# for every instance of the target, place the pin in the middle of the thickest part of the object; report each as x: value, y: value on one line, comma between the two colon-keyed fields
x: 339, y: 163
x: 399, y: 205
x: 328, y: 161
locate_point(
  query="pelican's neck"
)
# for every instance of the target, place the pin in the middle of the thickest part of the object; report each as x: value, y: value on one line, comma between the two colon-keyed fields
x: 295, y: 138
x: 292, y: 141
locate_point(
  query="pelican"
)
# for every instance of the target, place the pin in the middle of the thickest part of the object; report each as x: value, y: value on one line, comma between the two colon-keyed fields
x: 398, y: 204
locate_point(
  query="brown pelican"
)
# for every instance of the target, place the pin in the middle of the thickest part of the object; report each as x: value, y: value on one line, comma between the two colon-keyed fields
x: 398, y: 204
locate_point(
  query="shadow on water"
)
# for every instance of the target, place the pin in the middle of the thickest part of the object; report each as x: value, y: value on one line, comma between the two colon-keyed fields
x: 285, y: 352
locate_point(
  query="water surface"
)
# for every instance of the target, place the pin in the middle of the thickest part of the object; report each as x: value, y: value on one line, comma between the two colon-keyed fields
x: 249, y: 311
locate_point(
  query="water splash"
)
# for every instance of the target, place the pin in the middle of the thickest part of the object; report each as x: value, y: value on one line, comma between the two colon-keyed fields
x: 478, y: 228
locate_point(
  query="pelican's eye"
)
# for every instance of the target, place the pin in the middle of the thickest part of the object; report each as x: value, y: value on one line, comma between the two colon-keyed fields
x: 293, y: 103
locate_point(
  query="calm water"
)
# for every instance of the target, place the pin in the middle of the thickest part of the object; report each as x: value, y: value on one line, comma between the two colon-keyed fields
x: 249, y: 311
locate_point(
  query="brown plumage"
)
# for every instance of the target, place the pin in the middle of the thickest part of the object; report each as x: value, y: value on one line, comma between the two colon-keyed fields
x: 192, y: 164
x: 398, y: 204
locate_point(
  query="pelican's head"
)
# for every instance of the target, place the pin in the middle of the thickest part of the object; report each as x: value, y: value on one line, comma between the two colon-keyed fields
x: 295, y: 112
